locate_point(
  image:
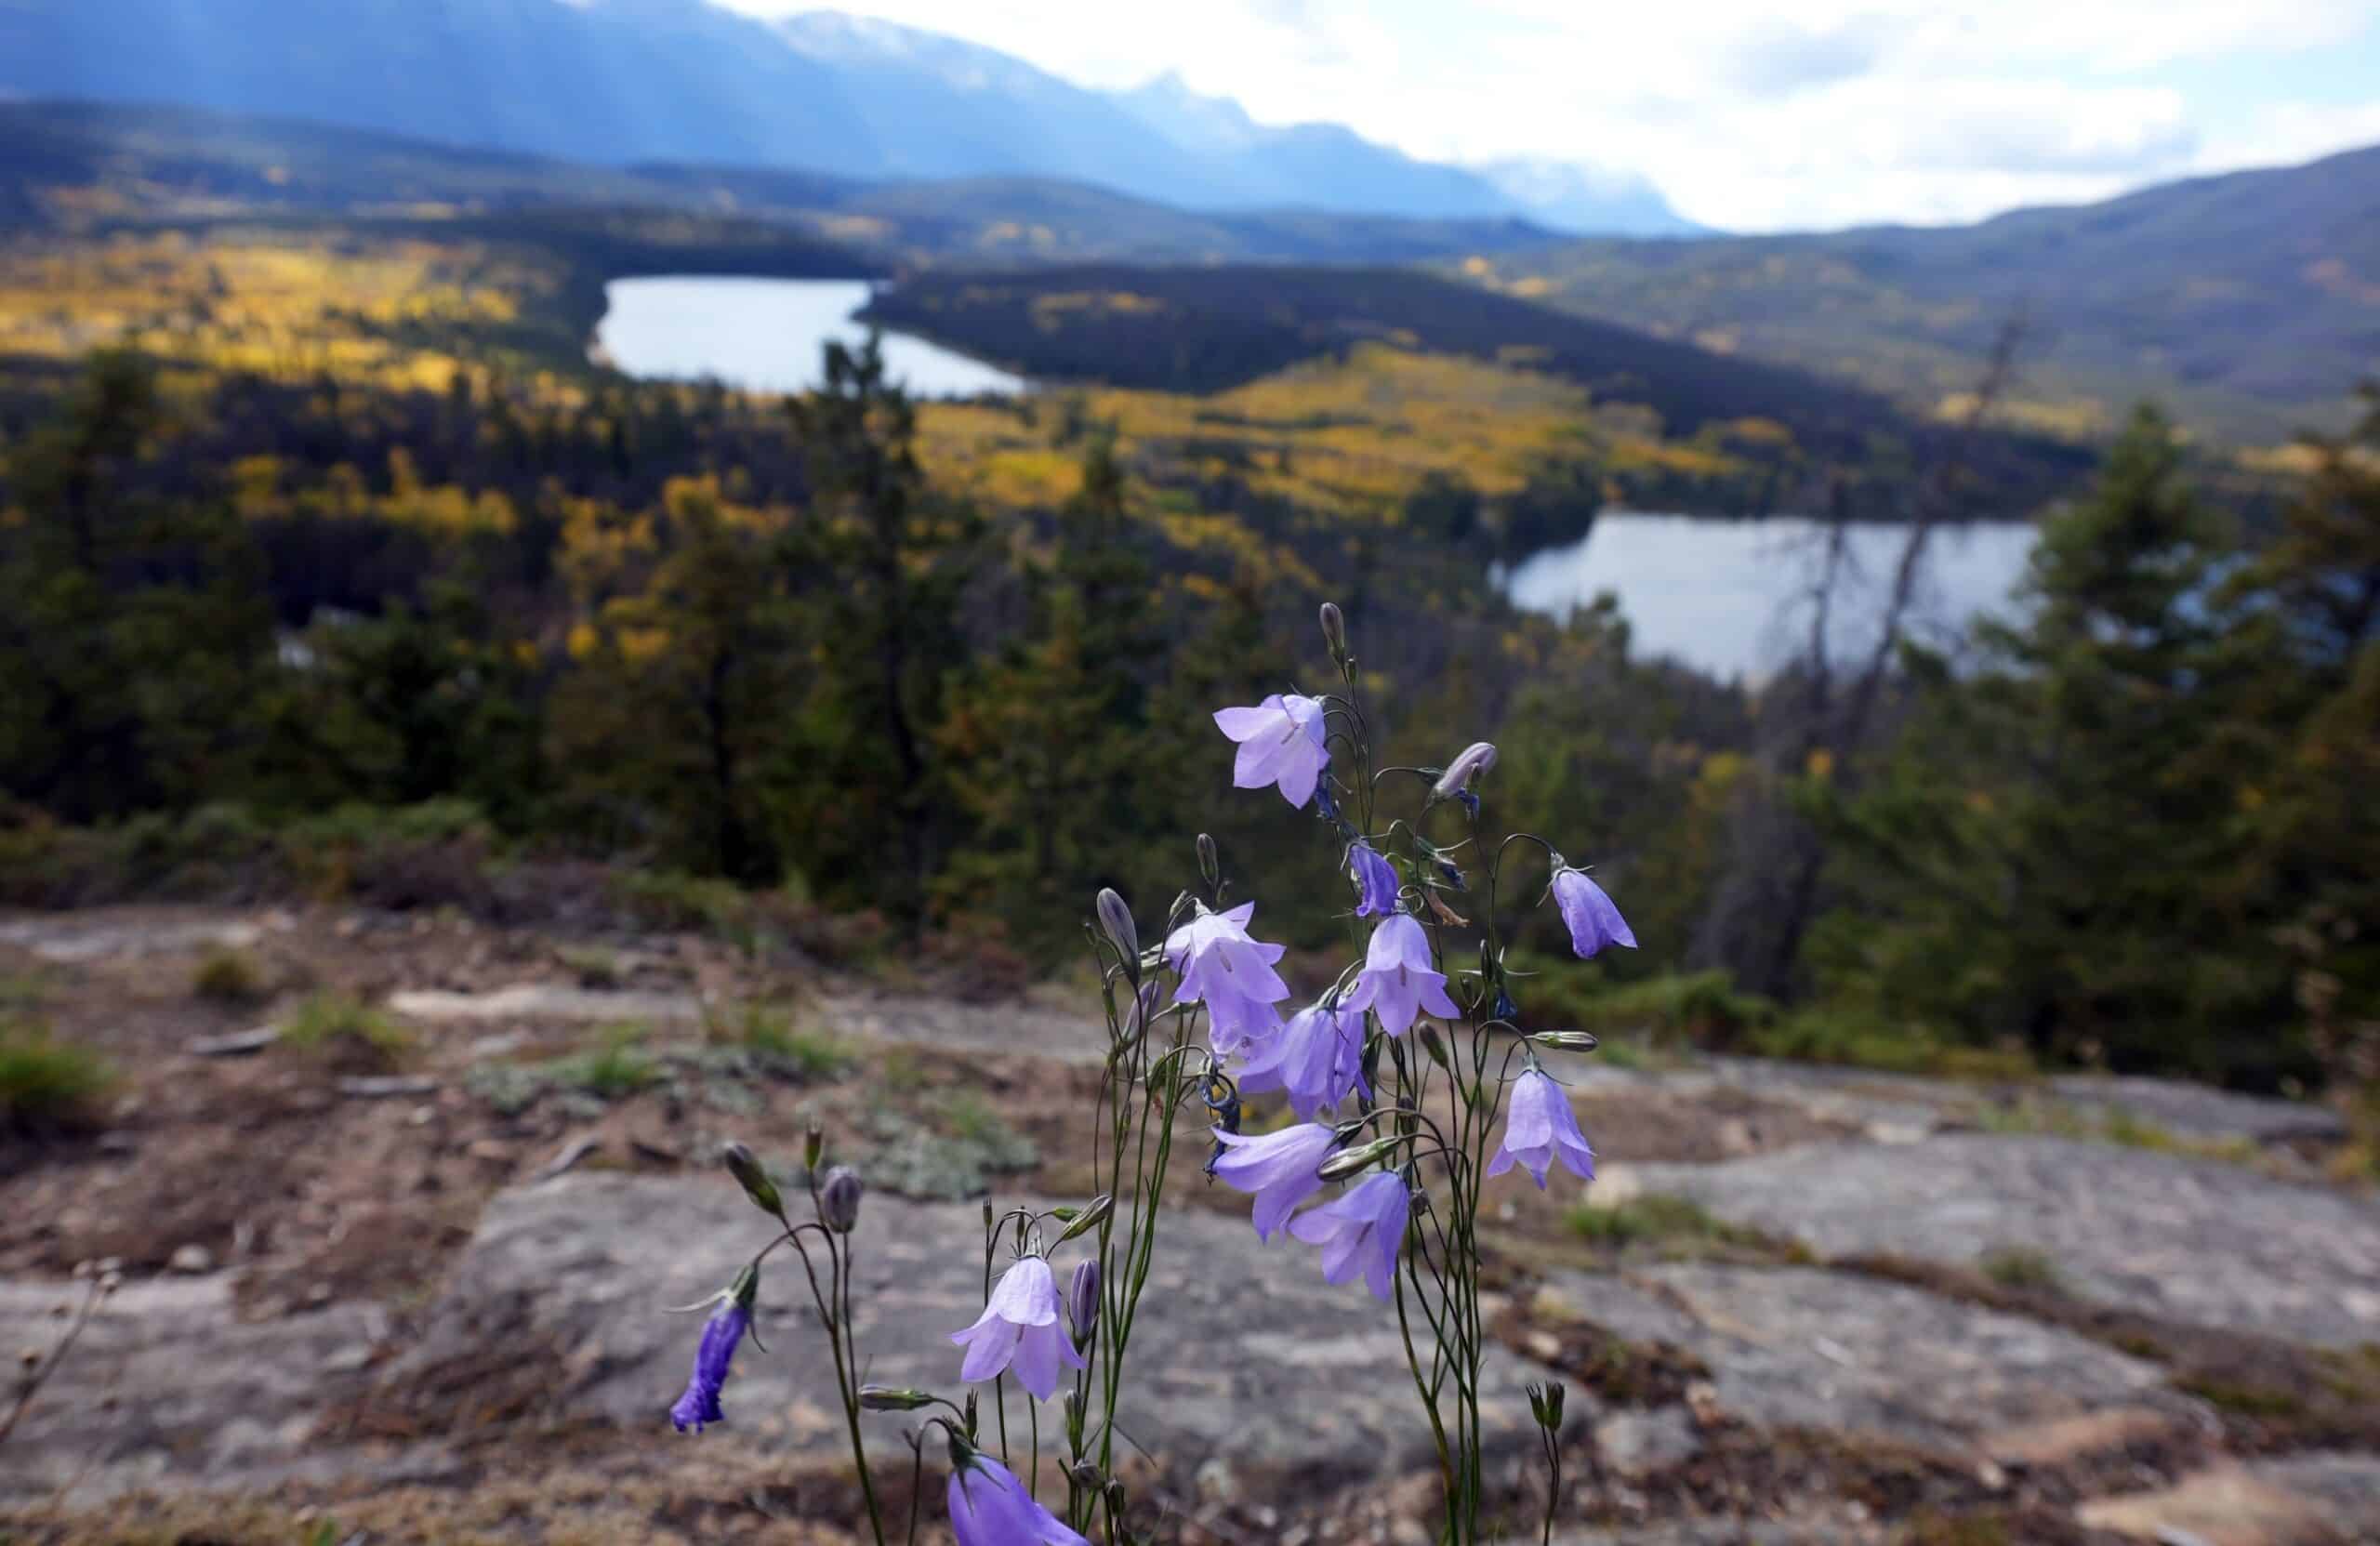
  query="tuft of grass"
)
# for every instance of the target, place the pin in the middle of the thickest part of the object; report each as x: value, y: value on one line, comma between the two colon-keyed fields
x: 2022, y: 1269
x: 1860, y: 1037
x: 340, y: 1026
x: 228, y: 976
x: 1657, y: 1219
x: 45, y: 1085
x: 594, y: 968
x: 773, y: 1038
x: 619, y: 1068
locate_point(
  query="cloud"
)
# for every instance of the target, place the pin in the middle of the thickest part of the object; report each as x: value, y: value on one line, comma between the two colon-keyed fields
x: 1751, y: 115
x: 1781, y: 57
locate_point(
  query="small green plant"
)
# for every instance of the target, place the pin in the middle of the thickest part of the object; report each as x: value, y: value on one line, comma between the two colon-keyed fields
x: 1657, y: 1219
x: 1864, y: 1039
x: 780, y: 1045
x: 594, y: 968
x: 228, y: 976
x: 340, y: 1026
x: 45, y: 1085
x: 2022, y: 1269
x: 619, y: 1068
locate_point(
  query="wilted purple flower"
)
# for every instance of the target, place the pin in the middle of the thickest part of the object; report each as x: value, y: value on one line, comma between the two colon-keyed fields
x: 1019, y: 1329
x: 1592, y: 918
x: 1281, y: 741
x: 1455, y: 783
x: 1398, y: 981
x: 1375, y: 880
x: 1231, y: 974
x: 1277, y: 1168
x: 1540, y: 1128
x: 1360, y: 1231
x: 1082, y: 1301
x: 990, y: 1507
x: 1318, y: 1058
x: 721, y: 1335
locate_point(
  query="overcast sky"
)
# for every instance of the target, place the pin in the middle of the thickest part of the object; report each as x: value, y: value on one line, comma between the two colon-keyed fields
x: 1753, y: 115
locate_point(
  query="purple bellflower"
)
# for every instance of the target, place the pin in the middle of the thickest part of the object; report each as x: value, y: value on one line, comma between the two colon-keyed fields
x: 1398, y: 981
x: 722, y: 1334
x: 1592, y: 918
x: 1540, y: 1128
x: 990, y: 1507
x: 1360, y: 1231
x: 1278, y: 1169
x: 1281, y: 741
x: 1318, y: 1058
x: 1375, y: 880
x: 1021, y: 1329
x: 1231, y: 974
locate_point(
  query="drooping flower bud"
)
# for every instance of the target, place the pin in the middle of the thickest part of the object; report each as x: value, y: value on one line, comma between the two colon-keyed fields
x: 1085, y: 1476
x: 1211, y: 865
x: 746, y: 1168
x: 1348, y: 1162
x: 1545, y: 1404
x: 1334, y: 630
x: 1085, y: 1219
x: 813, y: 1147
x: 839, y: 1199
x: 1115, y: 920
x: 1567, y: 1041
x: 893, y: 1398
x: 1455, y: 782
x: 1082, y: 1301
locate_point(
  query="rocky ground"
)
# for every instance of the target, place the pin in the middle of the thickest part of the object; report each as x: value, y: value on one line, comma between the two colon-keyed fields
x: 409, y: 1280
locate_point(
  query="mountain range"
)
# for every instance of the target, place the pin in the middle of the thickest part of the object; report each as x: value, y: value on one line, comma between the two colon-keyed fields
x: 685, y: 81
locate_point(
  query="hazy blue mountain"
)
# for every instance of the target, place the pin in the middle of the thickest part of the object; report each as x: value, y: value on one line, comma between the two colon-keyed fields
x: 1587, y: 200
x: 627, y: 81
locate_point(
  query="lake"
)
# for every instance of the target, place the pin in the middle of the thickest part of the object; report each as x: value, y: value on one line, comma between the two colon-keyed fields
x: 767, y: 334
x: 1731, y: 597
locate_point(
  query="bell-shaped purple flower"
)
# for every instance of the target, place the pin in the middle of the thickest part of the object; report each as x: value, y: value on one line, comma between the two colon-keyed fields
x: 1375, y: 880
x: 1020, y: 1329
x: 990, y: 1507
x: 1229, y: 972
x: 721, y: 1335
x: 1360, y: 1231
x: 1398, y: 981
x: 1317, y: 1058
x: 1278, y: 1169
x: 1593, y: 920
x: 1281, y: 741
x: 1540, y: 1128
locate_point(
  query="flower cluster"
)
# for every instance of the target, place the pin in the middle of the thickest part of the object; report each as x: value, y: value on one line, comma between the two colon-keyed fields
x: 1400, y: 1081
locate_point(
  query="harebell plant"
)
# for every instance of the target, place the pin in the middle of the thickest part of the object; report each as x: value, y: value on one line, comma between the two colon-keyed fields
x: 1408, y: 1083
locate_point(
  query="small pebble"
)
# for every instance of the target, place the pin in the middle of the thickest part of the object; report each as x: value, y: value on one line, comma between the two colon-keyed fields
x: 192, y: 1259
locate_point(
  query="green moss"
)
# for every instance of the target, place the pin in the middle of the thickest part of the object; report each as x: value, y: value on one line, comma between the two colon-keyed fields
x: 778, y: 1043
x: 2022, y: 1269
x: 1655, y: 1218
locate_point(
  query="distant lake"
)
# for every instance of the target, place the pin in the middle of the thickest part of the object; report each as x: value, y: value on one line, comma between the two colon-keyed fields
x: 1730, y: 597
x: 767, y: 334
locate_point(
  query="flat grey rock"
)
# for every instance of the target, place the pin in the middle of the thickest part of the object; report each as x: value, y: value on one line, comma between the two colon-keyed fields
x: 72, y: 938
x: 1013, y: 1030
x: 166, y: 1386
x: 2193, y: 1241
x: 2310, y: 1499
x: 548, y: 1001
x: 2200, y: 1112
x: 1805, y: 1347
x: 1242, y: 1352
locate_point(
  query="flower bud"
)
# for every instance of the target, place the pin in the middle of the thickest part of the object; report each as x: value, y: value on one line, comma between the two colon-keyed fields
x: 893, y: 1398
x: 1137, y: 1015
x: 1334, y: 630
x: 839, y: 1199
x: 746, y: 1168
x: 1082, y: 1301
x: 1116, y: 1497
x: 1477, y: 759
x: 1090, y: 1217
x: 1084, y: 1476
x: 1116, y: 922
x: 1567, y: 1041
x: 1211, y: 865
x: 1338, y: 1167
x: 813, y: 1147
x: 1545, y: 1404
